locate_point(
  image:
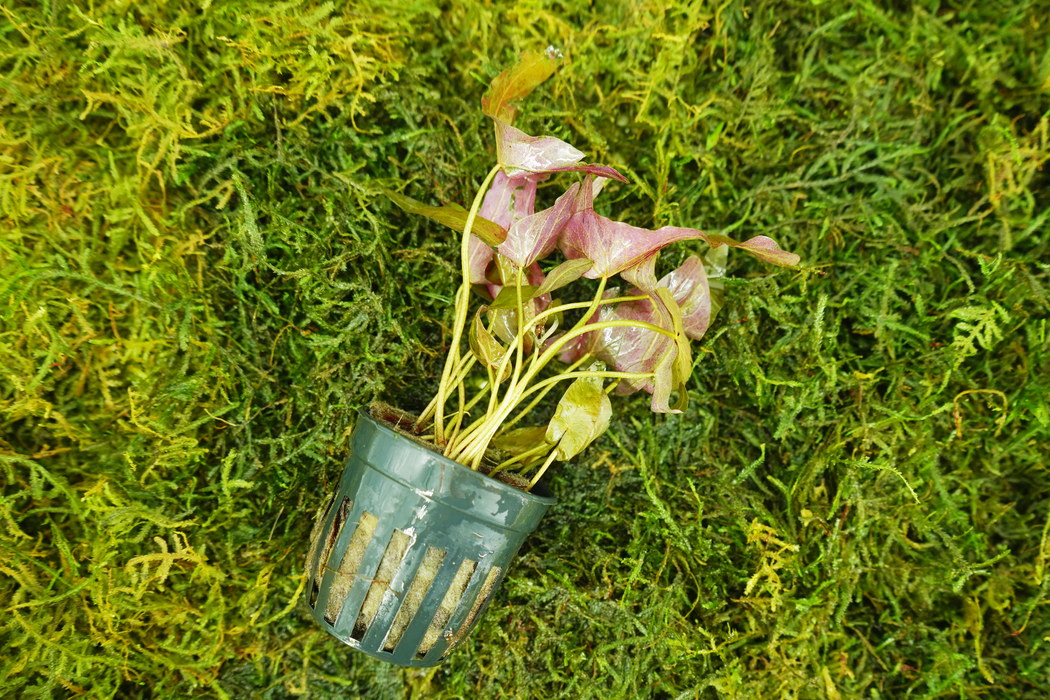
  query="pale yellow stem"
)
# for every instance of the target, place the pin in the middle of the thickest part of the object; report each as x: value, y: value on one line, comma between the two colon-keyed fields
x: 523, y: 456
x: 550, y: 460
x: 525, y: 411
x: 462, y: 304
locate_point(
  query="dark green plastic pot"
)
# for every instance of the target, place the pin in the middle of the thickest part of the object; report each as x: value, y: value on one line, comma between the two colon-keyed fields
x: 412, y: 547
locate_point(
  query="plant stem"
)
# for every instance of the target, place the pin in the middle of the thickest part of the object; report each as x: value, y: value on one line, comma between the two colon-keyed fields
x: 579, y: 375
x: 543, y: 315
x: 550, y: 460
x: 462, y: 302
x: 525, y: 411
x: 523, y: 456
x: 475, y: 448
x: 462, y: 409
x: 461, y: 373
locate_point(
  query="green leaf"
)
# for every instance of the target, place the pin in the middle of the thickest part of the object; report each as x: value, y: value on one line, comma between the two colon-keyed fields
x: 508, y: 297
x: 482, y: 291
x: 487, y: 349
x: 453, y: 216
x: 683, y: 362
x: 582, y: 415
x: 521, y: 440
x: 566, y: 273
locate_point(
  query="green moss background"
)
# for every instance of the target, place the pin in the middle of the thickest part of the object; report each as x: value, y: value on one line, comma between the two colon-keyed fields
x: 199, y: 285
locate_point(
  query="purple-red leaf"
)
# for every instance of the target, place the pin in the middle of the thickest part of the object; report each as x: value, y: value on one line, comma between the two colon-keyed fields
x: 614, y: 246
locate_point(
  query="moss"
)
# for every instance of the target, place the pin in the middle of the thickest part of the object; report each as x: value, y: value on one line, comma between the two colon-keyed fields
x: 200, y: 285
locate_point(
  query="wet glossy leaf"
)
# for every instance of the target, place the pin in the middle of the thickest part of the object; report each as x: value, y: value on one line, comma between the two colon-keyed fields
x: 519, y: 153
x: 510, y: 199
x: 582, y: 415
x: 615, y: 246
x: 612, y: 246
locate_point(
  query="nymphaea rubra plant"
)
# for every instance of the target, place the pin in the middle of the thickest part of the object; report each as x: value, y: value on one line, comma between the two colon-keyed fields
x: 637, y: 339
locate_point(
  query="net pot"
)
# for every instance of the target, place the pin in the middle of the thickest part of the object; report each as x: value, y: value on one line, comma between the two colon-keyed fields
x: 412, y: 547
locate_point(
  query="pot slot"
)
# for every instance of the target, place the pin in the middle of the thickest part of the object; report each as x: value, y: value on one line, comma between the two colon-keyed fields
x: 317, y: 566
x: 483, y: 596
x: 392, y: 558
x: 345, y: 575
x: 449, y: 604
x: 425, y: 575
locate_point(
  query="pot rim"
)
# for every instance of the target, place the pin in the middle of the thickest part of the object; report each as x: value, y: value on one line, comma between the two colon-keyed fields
x: 540, y: 493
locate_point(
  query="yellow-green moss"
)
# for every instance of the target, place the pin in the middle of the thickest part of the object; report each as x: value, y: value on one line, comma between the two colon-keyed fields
x: 199, y: 286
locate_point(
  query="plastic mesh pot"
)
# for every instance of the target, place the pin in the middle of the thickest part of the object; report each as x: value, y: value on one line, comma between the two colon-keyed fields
x: 412, y: 547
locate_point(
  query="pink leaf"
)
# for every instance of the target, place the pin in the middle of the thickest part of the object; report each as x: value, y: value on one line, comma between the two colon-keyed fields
x: 762, y: 247
x: 613, y: 246
x: 479, y: 256
x: 535, y: 237
x: 680, y: 302
x: 508, y: 200
x: 690, y: 289
x: 632, y: 349
x: 520, y: 153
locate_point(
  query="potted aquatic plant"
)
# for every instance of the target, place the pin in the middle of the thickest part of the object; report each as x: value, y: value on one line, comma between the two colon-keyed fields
x: 432, y: 508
